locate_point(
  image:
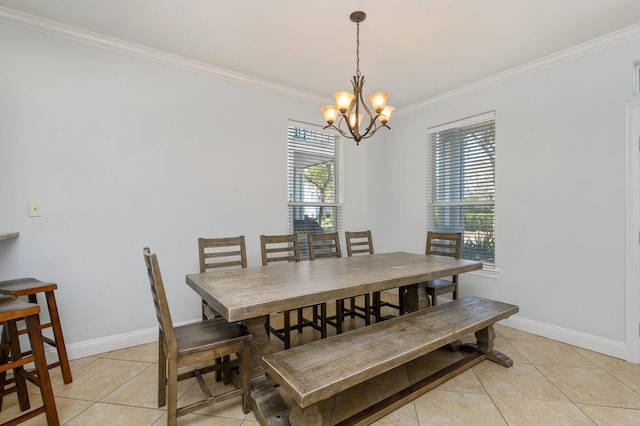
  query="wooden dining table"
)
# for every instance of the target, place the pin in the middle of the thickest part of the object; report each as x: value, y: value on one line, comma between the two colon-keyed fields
x: 251, y: 294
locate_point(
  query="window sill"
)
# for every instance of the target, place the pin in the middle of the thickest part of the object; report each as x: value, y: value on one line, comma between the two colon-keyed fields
x: 493, y: 273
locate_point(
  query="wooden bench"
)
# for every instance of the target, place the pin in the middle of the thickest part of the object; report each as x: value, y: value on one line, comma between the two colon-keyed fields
x: 319, y: 370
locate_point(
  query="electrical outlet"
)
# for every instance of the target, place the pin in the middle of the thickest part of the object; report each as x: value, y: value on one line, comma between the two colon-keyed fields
x: 35, y: 208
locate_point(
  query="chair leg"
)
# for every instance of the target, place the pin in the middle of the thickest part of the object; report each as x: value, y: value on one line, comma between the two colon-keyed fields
x: 245, y: 377
x: 339, y: 315
x: 367, y: 309
x: 376, y: 306
x: 162, y: 373
x: 267, y: 326
x: 287, y: 329
x: 172, y: 393
x: 226, y: 375
x: 401, y: 293
x: 300, y: 319
x: 220, y: 372
x: 323, y: 321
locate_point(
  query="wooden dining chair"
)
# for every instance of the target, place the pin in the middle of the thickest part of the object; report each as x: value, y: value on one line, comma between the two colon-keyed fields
x: 361, y: 242
x: 284, y: 248
x: 215, y: 253
x: 321, y: 246
x: 443, y: 244
x: 192, y: 345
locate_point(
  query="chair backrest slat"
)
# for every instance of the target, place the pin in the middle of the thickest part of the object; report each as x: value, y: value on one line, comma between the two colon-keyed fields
x: 324, y: 245
x: 211, y: 250
x: 444, y: 244
x: 359, y: 242
x: 285, y: 247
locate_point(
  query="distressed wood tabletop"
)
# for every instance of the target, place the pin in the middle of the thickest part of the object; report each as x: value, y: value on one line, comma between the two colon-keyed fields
x: 257, y: 291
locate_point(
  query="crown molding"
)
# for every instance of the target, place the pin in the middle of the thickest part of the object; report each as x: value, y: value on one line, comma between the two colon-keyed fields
x: 617, y: 37
x: 57, y: 29
x: 35, y: 23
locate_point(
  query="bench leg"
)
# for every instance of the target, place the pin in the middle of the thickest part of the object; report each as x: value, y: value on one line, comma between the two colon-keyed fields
x: 485, y: 338
x: 309, y: 416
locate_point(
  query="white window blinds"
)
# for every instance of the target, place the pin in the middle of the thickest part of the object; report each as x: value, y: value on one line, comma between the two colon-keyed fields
x: 314, y: 183
x: 461, y: 184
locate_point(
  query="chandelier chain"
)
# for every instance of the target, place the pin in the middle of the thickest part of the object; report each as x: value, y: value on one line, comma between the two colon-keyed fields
x: 358, y: 49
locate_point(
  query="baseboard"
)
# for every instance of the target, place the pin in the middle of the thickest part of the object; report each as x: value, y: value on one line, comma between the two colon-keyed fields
x: 108, y: 344
x: 576, y: 338
x: 593, y: 343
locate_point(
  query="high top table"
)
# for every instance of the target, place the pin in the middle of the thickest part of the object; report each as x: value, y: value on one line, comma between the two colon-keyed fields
x: 250, y: 294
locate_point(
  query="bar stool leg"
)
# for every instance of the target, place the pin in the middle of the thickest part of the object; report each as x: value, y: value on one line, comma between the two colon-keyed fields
x: 11, y: 352
x: 16, y: 354
x: 58, y: 337
x: 5, y: 356
x: 42, y: 369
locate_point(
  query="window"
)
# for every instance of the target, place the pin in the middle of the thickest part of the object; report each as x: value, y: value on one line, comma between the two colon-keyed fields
x: 461, y: 184
x: 314, y: 183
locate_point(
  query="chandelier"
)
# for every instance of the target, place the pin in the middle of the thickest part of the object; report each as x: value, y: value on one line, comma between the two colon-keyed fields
x: 350, y: 107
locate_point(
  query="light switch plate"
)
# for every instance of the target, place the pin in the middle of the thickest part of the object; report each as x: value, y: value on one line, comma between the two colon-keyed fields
x: 35, y: 208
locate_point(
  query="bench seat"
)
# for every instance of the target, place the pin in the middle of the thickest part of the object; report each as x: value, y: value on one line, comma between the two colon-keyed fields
x: 316, y: 371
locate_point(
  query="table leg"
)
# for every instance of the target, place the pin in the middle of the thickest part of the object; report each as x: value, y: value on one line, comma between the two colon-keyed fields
x: 259, y: 343
x: 416, y: 298
x: 267, y: 404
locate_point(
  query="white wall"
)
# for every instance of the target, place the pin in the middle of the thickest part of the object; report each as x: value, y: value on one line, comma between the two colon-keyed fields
x: 560, y: 189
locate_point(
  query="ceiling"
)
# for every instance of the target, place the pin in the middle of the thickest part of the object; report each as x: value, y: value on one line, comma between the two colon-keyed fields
x: 414, y: 49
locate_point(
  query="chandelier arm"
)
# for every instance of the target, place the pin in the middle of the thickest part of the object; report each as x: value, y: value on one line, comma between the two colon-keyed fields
x: 339, y: 127
x: 331, y: 126
x: 373, y: 132
x: 372, y: 119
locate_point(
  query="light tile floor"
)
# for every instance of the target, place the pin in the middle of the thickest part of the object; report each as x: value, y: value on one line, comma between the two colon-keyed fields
x: 550, y: 383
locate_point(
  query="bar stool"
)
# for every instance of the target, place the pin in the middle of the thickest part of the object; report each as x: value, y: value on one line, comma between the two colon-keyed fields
x: 11, y: 358
x: 30, y: 287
